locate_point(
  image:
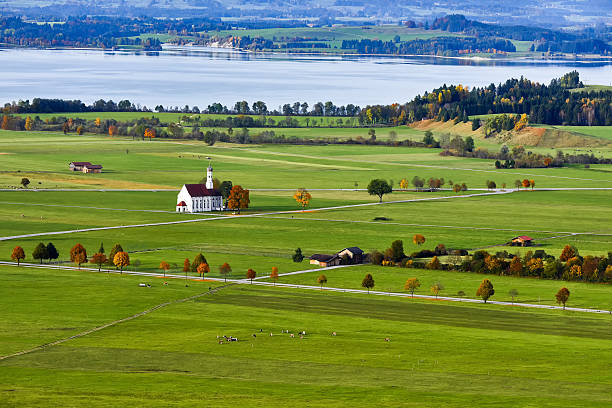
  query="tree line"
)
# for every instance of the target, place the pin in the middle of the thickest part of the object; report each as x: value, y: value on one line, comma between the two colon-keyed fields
x: 444, y: 46
x: 555, y: 104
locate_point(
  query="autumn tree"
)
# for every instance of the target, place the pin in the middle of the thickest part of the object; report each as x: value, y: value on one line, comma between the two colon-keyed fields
x: 98, y: 259
x: 404, y: 184
x: 518, y: 184
x: 568, y: 253
x: 418, y: 239
x: 368, y: 282
x: 40, y: 252
x: 516, y: 266
x: 186, y: 265
x: 251, y: 275
x: 525, y: 183
x: 29, y: 123
x: 532, y: 184
x: 434, y: 263
x: 238, y: 198
x: 121, y: 260
x: 78, y: 255
x: 321, y: 280
x: 52, y: 252
x: 111, y: 256
x: 203, y: 269
x: 436, y: 288
x: 302, y: 197
x: 379, y: 187
x: 199, y: 259
x: 274, y: 274
x: 562, y: 296
x: 98, y: 122
x: 150, y: 133
x: 411, y: 285
x: 164, y: 266
x: 79, y: 130
x: 225, y: 270
x: 18, y: 254
x: 485, y: 290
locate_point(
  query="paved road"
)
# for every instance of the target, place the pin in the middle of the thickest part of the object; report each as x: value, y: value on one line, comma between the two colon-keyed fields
x: 214, y: 217
x: 309, y: 287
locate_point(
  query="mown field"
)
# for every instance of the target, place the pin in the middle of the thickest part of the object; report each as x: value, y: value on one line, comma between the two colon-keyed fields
x: 439, y: 353
x: 172, y: 356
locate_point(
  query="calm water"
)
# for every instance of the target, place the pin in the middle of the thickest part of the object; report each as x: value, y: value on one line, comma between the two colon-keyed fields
x: 200, y: 76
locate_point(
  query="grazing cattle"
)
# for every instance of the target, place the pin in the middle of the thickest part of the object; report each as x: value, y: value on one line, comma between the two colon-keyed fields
x: 333, y: 333
x: 292, y: 335
x: 387, y: 339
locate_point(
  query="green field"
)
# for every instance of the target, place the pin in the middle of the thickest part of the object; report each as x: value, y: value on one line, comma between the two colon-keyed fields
x: 440, y: 353
x: 172, y: 356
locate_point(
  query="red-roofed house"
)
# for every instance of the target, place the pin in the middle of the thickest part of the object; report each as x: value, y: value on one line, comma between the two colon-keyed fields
x: 200, y: 197
x: 523, y: 240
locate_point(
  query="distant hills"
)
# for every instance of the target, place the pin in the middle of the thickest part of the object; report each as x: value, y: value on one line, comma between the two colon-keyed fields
x: 560, y: 13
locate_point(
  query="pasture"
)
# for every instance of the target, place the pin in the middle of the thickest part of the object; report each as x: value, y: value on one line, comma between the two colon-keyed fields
x: 439, y: 354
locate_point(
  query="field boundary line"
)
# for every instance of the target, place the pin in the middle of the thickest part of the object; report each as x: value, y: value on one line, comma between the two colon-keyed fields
x: 114, y: 323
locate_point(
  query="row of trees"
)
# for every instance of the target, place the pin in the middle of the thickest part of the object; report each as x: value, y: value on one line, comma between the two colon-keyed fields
x: 570, y: 266
x: 445, y: 46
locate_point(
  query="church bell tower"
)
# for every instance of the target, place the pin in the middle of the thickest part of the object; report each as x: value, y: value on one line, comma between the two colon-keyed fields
x: 209, y: 177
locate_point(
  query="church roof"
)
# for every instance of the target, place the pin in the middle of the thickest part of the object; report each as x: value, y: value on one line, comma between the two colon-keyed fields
x: 200, y: 190
x: 182, y: 204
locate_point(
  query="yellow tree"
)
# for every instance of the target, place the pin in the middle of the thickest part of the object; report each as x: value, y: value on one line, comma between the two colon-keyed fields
x: 164, y: 266
x: 78, y: 255
x: 418, y: 239
x: 98, y: 122
x: 411, y: 285
x: 112, y: 130
x: 567, y: 253
x: 404, y: 184
x: 485, y: 290
x: 434, y: 263
x: 274, y: 274
x: 302, y: 197
x: 29, y: 123
x: 532, y: 184
x: 322, y: 279
x: 122, y: 259
x: 79, y: 130
x: 203, y: 269
x: 98, y: 259
x: 436, y: 288
x: 18, y: 254
x: 516, y: 266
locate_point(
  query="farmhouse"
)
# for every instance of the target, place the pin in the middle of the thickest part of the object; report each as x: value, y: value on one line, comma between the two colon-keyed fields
x: 85, y: 167
x: 199, y: 197
x: 348, y: 256
x: 324, y: 260
x: 523, y: 240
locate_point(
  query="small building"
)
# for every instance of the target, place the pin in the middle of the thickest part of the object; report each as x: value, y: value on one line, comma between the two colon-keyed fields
x: 324, y: 260
x: 195, y: 198
x: 78, y: 166
x: 92, y: 168
x: 523, y: 240
x: 354, y: 254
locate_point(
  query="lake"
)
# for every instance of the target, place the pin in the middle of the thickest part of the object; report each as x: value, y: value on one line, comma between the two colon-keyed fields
x: 198, y: 76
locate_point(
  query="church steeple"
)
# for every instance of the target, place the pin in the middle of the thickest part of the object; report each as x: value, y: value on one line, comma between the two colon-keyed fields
x: 209, y: 177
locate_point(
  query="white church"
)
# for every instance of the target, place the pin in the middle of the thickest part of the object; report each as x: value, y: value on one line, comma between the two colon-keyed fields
x: 195, y: 198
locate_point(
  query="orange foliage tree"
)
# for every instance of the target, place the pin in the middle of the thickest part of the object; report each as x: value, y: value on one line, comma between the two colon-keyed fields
x: 562, y: 296
x: 526, y: 183
x: 98, y: 259
x: 112, y: 130
x: 18, y: 254
x: 238, y: 198
x: 418, y: 239
x: 186, y: 265
x: 164, y: 266
x: 225, y: 270
x: 274, y: 274
x: 150, y: 133
x: 302, y: 197
x: 78, y: 254
x: 203, y: 269
x: 251, y: 275
x: 411, y: 285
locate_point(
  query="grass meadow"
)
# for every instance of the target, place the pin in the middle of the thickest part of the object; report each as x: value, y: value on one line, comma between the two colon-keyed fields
x: 439, y: 354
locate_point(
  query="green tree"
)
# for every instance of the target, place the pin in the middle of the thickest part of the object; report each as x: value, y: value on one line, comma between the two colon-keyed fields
x: 397, y: 250
x: 52, y: 252
x: 379, y: 187
x: 40, y: 252
x: 297, y: 256
x: 368, y: 282
x: 25, y: 182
